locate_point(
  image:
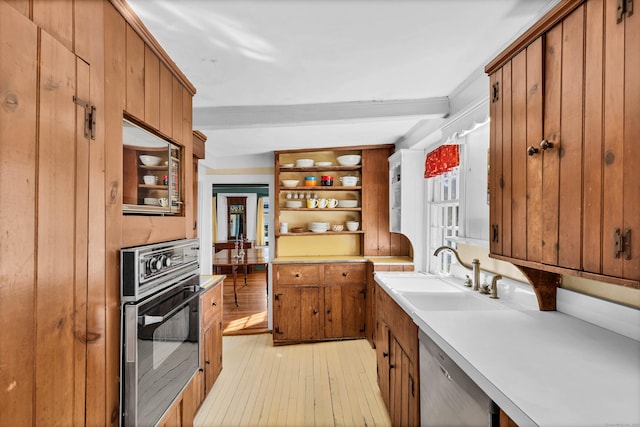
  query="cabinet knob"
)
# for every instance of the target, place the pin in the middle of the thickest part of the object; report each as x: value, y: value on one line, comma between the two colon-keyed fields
x: 208, y: 362
x: 532, y: 150
x: 213, y: 304
x: 385, y: 354
x: 546, y: 145
x: 297, y: 274
x: 345, y: 274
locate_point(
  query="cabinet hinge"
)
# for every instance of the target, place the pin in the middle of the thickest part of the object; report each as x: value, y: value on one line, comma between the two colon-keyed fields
x: 277, y: 330
x: 89, y: 118
x: 495, y: 92
x: 622, y: 244
x: 494, y: 233
x: 277, y: 297
x: 623, y: 6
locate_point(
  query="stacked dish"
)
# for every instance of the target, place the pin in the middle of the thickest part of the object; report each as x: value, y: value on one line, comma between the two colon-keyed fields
x: 318, y: 227
x: 290, y: 182
x: 151, y: 201
x: 349, y: 181
x: 323, y: 164
x: 293, y: 204
x: 287, y: 165
x: 347, y: 203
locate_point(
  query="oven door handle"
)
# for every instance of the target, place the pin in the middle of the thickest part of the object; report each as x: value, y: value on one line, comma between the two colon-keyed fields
x: 146, y: 320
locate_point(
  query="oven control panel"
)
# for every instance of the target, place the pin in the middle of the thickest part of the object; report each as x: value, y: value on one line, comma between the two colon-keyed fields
x: 151, y: 267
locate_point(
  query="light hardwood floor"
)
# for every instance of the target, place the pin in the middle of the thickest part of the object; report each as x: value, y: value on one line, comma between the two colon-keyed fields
x: 320, y: 384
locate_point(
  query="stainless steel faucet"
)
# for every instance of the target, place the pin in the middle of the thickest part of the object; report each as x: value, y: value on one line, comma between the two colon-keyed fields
x: 494, y: 286
x: 474, y: 267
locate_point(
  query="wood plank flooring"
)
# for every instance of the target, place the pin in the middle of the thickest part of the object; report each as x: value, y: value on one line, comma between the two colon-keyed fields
x: 320, y: 384
x: 251, y: 316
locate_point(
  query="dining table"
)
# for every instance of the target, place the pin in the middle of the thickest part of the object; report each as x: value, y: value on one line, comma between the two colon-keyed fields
x: 236, y: 258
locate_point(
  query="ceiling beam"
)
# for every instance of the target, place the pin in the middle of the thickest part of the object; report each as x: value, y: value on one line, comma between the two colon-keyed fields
x: 305, y: 114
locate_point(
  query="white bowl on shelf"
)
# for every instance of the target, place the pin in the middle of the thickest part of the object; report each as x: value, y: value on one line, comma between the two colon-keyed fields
x: 290, y: 182
x: 287, y: 165
x: 353, y: 225
x: 304, y: 163
x: 150, y: 160
x: 152, y: 201
x: 347, y: 203
x: 150, y: 179
x: 323, y: 164
x: 348, y: 160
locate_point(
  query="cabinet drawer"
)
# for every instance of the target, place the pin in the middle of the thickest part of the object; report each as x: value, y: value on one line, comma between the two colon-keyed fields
x: 345, y: 273
x: 297, y: 274
x: 211, y: 304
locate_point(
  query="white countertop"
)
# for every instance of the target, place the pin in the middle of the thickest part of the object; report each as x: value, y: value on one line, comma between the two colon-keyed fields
x: 541, y: 368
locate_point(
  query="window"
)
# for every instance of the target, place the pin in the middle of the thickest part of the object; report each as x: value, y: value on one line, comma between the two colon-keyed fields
x: 443, y: 202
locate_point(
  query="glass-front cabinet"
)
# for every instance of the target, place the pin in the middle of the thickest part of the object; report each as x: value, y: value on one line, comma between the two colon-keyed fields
x: 151, y: 173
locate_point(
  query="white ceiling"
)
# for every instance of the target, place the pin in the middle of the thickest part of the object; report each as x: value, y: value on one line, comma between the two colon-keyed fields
x: 283, y: 74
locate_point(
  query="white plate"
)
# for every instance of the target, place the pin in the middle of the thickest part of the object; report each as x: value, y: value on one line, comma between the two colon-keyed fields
x: 293, y: 204
x: 323, y: 164
x: 287, y: 165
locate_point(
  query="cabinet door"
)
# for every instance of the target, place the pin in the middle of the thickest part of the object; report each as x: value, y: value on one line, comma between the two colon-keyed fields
x: 297, y: 314
x: 382, y: 358
x: 403, y: 395
x: 563, y: 128
x: 344, y: 308
x: 620, y: 151
x: 212, y: 353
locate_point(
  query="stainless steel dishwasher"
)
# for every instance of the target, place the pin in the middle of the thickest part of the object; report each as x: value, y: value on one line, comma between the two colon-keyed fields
x: 448, y: 397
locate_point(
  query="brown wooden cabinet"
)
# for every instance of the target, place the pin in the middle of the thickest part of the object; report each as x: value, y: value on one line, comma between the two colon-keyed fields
x: 211, y: 339
x: 397, y: 361
x: 316, y: 301
x: 564, y: 108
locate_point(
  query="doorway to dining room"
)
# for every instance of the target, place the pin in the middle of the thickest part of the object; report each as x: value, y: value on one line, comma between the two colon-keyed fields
x: 241, y: 221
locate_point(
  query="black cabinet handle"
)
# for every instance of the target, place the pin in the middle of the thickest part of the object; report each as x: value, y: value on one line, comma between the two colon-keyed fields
x: 546, y: 145
x: 531, y: 151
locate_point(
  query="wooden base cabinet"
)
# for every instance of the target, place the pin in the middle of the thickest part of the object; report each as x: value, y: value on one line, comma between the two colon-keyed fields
x: 316, y: 301
x: 211, y: 326
x: 397, y: 361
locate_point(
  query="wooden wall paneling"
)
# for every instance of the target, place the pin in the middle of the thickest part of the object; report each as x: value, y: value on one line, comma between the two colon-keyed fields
x: 151, y: 88
x: 593, y: 154
x: 495, y: 148
x: 504, y: 157
x: 613, y: 137
x: 114, y: 101
x: 144, y: 229
x: 135, y: 74
x: 631, y: 154
x: 552, y: 114
x: 570, y: 173
x: 166, y: 105
x: 189, y: 208
x: 21, y: 6
x: 18, y: 85
x: 55, y: 311
x: 56, y: 18
x: 375, y: 201
x: 82, y: 143
x: 519, y: 157
x: 176, y: 116
x: 534, y: 137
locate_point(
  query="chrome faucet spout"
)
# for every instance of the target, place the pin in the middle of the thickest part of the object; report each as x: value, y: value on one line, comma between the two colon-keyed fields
x: 474, y: 267
x: 494, y: 286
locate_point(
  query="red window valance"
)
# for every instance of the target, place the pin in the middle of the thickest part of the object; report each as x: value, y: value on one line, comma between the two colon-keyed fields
x: 441, y: 160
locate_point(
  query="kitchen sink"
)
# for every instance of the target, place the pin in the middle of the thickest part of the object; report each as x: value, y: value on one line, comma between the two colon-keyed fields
x: 420, y: 283
x: 431, y: 301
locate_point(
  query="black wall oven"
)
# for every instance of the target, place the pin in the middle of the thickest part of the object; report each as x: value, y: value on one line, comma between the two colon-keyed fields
x: 160, y: 327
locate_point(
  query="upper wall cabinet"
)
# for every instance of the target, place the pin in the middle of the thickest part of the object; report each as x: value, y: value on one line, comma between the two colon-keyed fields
x: 565, y: 191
